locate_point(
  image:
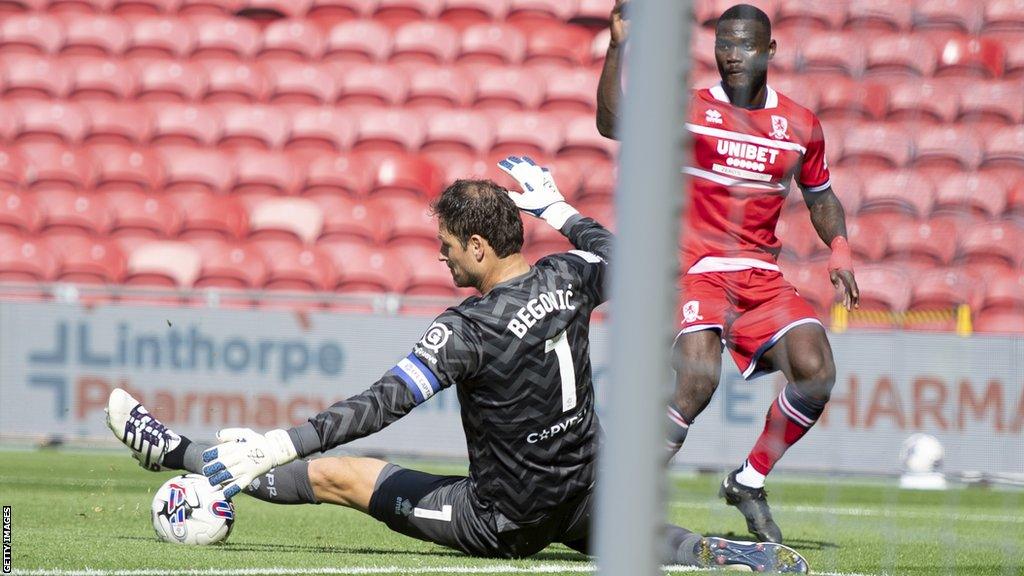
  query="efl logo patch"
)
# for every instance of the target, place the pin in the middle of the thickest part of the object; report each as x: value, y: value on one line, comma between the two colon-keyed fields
x: 713, y: 116
x: 779, y: 127
x: 436, y: 337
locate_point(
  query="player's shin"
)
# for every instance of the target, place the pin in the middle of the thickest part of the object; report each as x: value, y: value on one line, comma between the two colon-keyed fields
x: 287, y: 484
x: 789, y: 417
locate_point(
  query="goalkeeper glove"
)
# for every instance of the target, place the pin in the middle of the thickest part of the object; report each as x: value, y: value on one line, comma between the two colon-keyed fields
x: 540, y: 195
x: 244, y: 455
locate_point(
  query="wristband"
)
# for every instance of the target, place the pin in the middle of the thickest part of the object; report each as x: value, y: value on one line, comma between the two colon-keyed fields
x: 557, y: 213
x: 841, y: 258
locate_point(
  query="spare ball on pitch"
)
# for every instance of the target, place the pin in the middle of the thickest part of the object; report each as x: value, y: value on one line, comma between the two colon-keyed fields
x: 187, y: 510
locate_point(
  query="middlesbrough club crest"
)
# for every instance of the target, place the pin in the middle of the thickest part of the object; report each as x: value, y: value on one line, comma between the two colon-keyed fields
x: 779, y: 127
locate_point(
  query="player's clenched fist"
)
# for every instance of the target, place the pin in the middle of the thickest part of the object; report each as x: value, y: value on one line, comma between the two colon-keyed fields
x: 243, y: 455
x: 540, y: 195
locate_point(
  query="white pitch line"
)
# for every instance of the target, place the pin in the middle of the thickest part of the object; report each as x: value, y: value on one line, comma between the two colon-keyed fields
x: 365, y: 570
x: 875, y: 512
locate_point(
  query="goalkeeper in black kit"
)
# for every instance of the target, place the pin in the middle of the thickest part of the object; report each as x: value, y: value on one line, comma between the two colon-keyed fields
x: 519, y: 357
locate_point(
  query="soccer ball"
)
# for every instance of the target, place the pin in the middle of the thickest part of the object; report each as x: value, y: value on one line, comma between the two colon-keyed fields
x: 187, y: 510
x: 921, y: 454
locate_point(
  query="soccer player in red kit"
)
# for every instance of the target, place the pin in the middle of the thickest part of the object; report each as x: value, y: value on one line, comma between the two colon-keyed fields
x: 749, y: 142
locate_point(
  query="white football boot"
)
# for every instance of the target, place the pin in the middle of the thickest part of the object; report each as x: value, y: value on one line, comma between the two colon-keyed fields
x: 144, y: 435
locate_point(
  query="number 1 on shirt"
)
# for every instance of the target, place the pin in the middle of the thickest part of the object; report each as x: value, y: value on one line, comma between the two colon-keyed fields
x: 566, y: 370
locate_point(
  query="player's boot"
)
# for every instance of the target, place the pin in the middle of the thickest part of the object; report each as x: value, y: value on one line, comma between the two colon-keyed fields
x: 753, y: 503
x: 750, y: 556
x: 147, y: 438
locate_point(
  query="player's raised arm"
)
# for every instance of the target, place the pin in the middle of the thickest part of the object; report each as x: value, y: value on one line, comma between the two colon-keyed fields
x: 540, y: 197
x: 609, y: 87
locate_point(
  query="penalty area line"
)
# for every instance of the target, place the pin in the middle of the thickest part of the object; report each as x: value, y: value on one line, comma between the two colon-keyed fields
x: 369, y: 570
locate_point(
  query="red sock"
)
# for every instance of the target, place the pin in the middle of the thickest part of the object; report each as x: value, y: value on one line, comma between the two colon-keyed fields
x: 789, y: 417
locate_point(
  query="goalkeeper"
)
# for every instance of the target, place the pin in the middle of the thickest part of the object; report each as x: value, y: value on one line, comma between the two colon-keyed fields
x: 518, y: 356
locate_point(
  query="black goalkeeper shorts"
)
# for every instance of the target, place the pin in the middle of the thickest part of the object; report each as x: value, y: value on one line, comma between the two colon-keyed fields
x: 441, y: 509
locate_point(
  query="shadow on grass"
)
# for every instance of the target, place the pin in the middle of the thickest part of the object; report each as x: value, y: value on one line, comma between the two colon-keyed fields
x: 797, y: 544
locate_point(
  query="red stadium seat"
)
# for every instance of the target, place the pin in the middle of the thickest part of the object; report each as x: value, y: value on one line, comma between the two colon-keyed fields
x: 847, y: 186
x: 225, y: 38
x: 434, y: 88
x: 876, y: 146
x: 273, y: 10
x: 981, y: 194
x: 1004, y: 147
x: 123, y: 168
x: 90, y: 261
x: 1003, y: 16
x: 492, y: 44
x: 57, y: 122
x: 18, y: 213
x: 126, y: 124
x: 531, y: 14
x: 353, y: 220
x: 253, y: 127
x: 95, y: 79
x: 852, y: 100
x: 259, y: 172
x: 74, y: 212
x: 299, y: 268
x: 34, y: 77
x: 230, y: 265
x: 901, y: 191
x: 948, y: 15
x: 934, y: 241
x: 996, y: 242
x: 470, y: 167
x: 56, y: 167
x: 935, y: 297
x: 10, y: 113
x: 30, y: 33
x: 970, y: 58
x: 1004, y: 292
x: 95, y: 36
x: 992, y: 102
x: 914, y: 99
x: 169, y: 81
x: 328, y: 13
x: 527, y: 134
x: 424, y: 42
x: 900, y: 55
x: 230, y: 82
x: 12, y: 167
x: 508, y: 89
x: 569, y: 176
x: 844, y: 53
x: 219, y: 217
x: 305, y: 84
x: 457, y: 134
x: 142, y: 215
x: 386, y: 131
x: 804, y: 88
x: 164, y: 263
x: 465, y: 13
x: 208, y: 8
x: 395, y: 13
x: 411, y: 221
x: 358, y: 41
x: 190, y: 171
x: 868, y: 240
x: 63, y: 8
x: 296, y: 220
x: 947, y: 147
x: 373, y: 84
x: 560, y: 44
x: 186, y: 125
x: 160, y: 37
x: 600, y: 179
x: 879, y: 15
x: 428, y: 276
x: 1000, y: 322
x: 316, y: 130
x: 573, y: 92
x: 25, y: 260
x: 808, y: 16
x: 134, y: 9
x: 883, y: 290
x: 406, y: 175
x: 367, y: 269
x: 291, y: 40
x: 584, y: 144
x: 1013, y: 60
x: 338, y: 174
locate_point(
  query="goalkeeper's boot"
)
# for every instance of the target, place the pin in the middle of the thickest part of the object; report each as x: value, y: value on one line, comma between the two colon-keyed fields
x: 753, y: 503
x: 147, y: 438
x: 749, y: 556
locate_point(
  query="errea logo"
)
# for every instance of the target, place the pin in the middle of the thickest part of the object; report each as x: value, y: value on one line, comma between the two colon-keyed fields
x: 712, y: 116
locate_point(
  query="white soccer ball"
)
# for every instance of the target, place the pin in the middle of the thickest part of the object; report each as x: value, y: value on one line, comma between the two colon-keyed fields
x: 921, y: 453
x: 187, y: 510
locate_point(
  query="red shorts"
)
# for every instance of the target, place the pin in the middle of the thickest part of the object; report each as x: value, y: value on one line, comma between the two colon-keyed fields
x: 752, y: 310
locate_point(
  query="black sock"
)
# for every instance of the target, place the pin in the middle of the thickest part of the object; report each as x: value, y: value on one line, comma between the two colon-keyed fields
x: 681, y: 546
x: 175, y: 459
x: 288, y: 484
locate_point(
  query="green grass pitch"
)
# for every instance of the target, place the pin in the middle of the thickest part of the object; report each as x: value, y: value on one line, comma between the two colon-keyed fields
x: 75, y: 511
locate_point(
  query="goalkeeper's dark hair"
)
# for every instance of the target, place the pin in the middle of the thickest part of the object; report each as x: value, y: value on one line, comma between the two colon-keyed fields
x: 481, y: 207
x: 747, y: 12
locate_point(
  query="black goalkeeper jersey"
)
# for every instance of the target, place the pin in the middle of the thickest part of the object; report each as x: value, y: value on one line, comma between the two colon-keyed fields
x: 519, y: 357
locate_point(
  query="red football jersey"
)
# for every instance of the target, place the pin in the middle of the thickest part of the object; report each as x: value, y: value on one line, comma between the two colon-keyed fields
x: 742, y: 164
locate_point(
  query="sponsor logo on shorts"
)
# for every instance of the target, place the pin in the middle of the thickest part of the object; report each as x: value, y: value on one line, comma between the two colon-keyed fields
x: 403, y: 507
